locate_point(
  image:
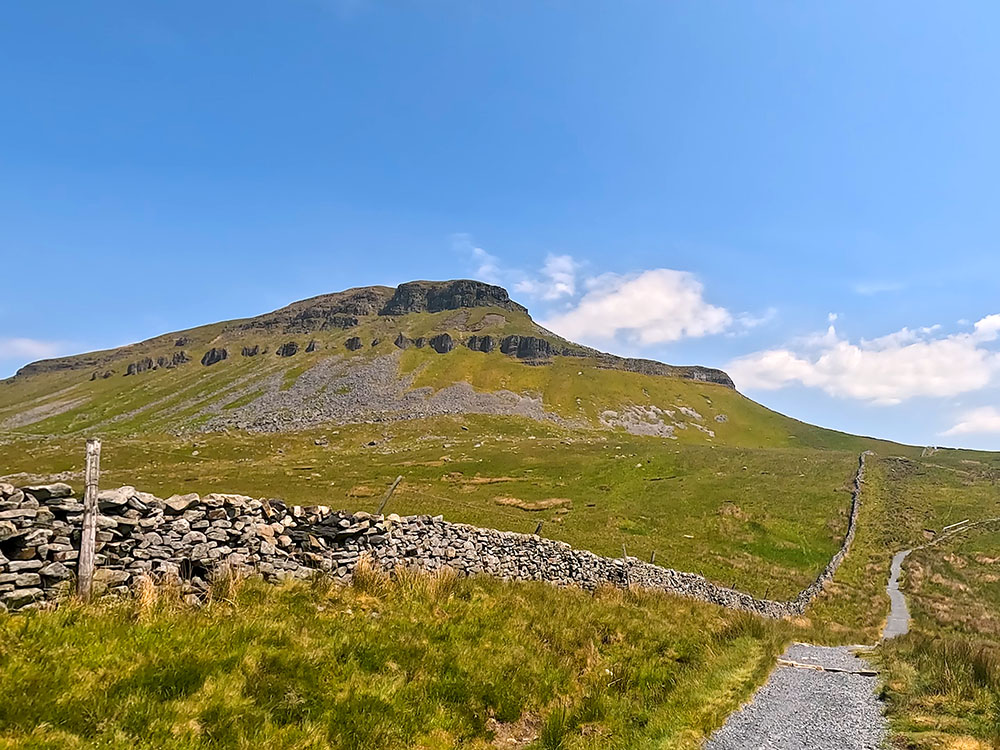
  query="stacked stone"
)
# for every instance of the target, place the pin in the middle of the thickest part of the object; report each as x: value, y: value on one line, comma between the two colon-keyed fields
x: 36, y: 547
x: 184, y: 538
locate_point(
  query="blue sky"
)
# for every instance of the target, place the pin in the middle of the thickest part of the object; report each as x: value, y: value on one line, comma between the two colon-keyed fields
x: 801, y: 192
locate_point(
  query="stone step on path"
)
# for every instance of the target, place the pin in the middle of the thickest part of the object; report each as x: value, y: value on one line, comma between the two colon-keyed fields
x: 810, y: 709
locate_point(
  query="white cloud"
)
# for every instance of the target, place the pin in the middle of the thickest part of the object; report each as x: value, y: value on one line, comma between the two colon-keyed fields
x: 885, y: 370
x: 25, y: 348
x: 487, y: 267
x: 651, y: 307
x: 557, y: 279
x: 977, y: 421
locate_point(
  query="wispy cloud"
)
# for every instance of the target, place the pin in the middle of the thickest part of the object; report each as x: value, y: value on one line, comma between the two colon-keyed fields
x: 886, y: 370
x: 984, y: 420
x: 27, y: 348
x: 556, y: 279
x: 869, y: 288
x: 486, y: 266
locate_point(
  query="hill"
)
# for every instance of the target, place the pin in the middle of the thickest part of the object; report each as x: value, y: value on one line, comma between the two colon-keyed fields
x: 490, y: 418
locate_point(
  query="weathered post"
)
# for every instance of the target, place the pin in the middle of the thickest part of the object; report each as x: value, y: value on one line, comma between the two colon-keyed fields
x: 388, y: 494
x: 538, y: 528
x: 88, y: 538
x: 652, y: 557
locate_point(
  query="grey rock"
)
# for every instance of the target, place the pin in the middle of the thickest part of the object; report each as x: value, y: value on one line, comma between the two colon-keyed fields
x: 214, y: 356
x: 442, y: 343
x: 180, y: 503
x: 43, y: 492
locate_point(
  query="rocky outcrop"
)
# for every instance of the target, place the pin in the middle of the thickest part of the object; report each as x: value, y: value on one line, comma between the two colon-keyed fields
x: 337, y: 311
x: 402, y: 342
x: 214, y: 356
x: 651, y: 367
x: 353, y: 343
x: 288, y: 349
x: 148, y: 363
x: 481, y: 343
x: 182, y: 341
x: 103, y: 375
x: 420, y: 342
x: 251, y: 351
x: 134, y: 368
x: 436, y: 296
x: 527, y: 347
x: 442, y: 343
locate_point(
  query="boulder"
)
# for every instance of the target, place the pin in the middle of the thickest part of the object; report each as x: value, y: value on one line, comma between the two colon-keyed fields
x: 402, y: 342
x: 182, y: 341
x: 481, y: 343
x: 43, y: 492
x: 214, y: 356
x: 353, y: 343
x: 442, y: 343
x: 108, y: 577
x: 288, y: 349
x: 107, y: 499
x: 312, y: 346
x: 55, y: 571
x: 21, y: 597
x: 251, y: 351
x: 180, y: 503
x: 139, y: 366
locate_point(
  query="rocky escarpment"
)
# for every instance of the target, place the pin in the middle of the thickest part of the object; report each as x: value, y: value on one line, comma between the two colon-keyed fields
x: 437, y: 296
x: 187, y: 538
x: 373, y: 306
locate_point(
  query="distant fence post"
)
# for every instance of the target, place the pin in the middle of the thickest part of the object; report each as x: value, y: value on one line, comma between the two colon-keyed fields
x: 387, y: 495
x: 88, y: 538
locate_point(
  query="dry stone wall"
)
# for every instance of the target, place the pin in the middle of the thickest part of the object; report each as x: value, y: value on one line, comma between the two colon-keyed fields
x: 188, y: 538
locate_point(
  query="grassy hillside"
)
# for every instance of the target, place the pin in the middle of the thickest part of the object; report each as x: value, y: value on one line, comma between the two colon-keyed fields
x: 423, y: 662
x: 608, y: 459
x: 766, y: 520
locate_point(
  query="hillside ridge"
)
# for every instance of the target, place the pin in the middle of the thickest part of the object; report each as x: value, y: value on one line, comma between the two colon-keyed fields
x: 350, y: 309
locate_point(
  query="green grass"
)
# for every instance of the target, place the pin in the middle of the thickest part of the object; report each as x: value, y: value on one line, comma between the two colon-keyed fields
x: 766, y: 520
x: 421, y: 662
x: 943, y: 679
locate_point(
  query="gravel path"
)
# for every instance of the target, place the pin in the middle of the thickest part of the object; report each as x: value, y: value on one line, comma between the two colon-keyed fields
x: 808, y: 709
x: 899, y: 615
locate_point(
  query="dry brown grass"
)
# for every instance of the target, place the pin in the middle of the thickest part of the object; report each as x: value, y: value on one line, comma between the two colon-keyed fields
x: 546, y: 504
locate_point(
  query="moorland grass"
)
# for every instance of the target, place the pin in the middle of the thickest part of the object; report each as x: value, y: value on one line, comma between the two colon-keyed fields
x: 417, y: 662
x: 766, y: 520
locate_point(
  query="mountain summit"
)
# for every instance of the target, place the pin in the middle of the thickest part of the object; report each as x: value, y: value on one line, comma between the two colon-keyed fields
x: 368, y: 353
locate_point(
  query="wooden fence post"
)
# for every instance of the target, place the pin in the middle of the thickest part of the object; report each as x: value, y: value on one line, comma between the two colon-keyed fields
x: 88, y: 538
x: 387, y: 495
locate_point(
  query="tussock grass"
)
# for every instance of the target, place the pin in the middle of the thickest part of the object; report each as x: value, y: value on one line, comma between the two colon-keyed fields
x: 402, y: 661
x: 944, y: 684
